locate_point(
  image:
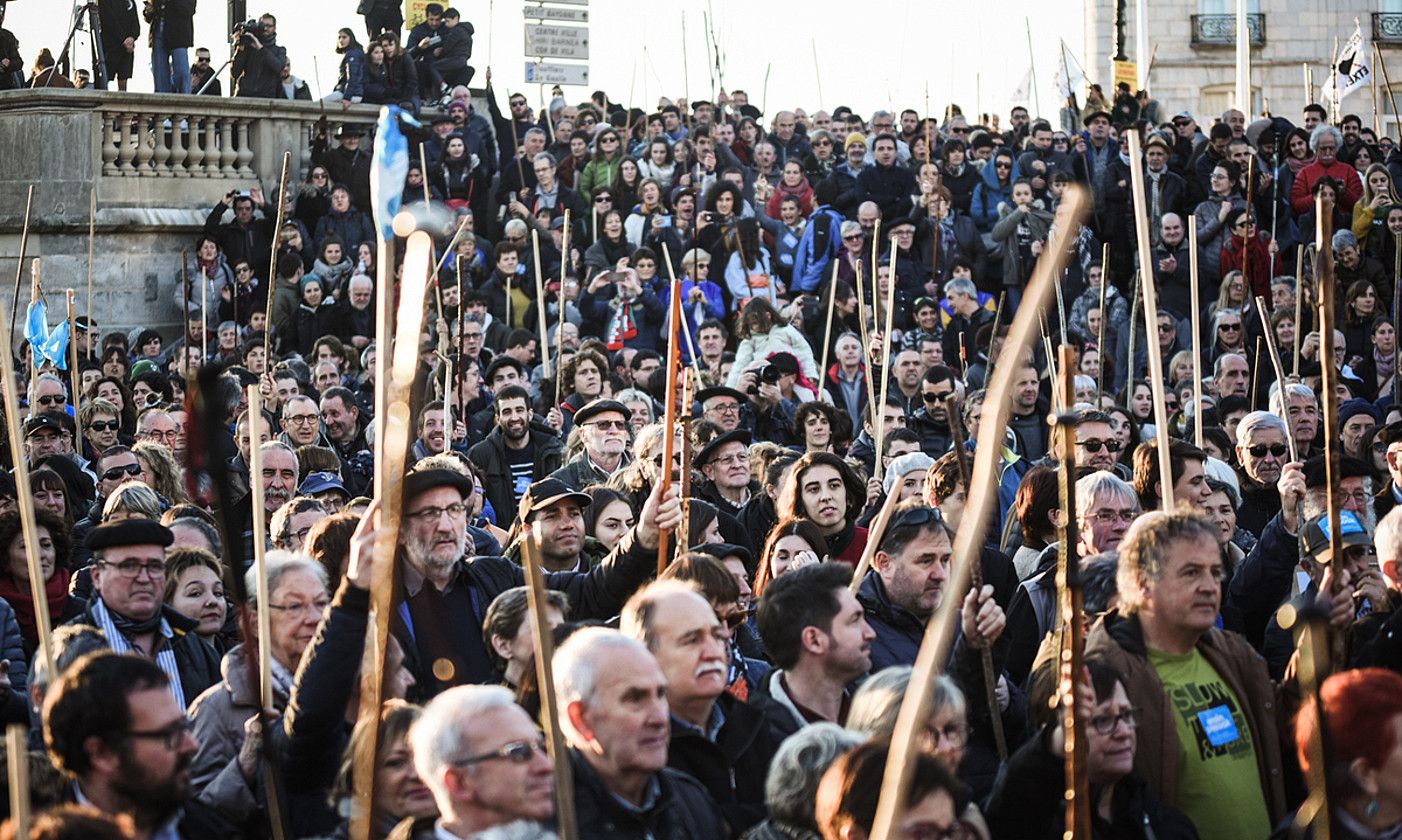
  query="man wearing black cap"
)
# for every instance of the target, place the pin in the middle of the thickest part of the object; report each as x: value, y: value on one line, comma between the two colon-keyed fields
x: 347, y: 164
x: 515, y: 454
x: 725, y: 462
x: 722, y: 406
x: 446, y: 597
x: 603, y: 426
x: 554, y: 515
x: 128, y: 580
x: 1094, y: 152
x: 43, y: 436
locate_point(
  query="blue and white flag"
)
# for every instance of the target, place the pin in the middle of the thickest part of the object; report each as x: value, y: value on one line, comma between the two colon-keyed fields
x: 390, y: 168
x: 48, y: 346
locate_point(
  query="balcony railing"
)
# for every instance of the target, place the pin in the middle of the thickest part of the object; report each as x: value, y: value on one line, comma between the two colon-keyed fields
x: 1387, y: 28
x: 1220, y: 30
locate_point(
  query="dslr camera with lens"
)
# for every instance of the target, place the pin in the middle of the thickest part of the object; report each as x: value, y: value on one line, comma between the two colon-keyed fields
x: 248, y: 30
x: 769, y: 375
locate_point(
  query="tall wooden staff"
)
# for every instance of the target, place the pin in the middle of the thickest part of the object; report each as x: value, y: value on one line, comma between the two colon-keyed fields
x: 24, y: 496
x: 1197, y: 330
x: 827, y: 332
x: 1100, y: 331
x: 878, y: 419
x: 19, y: 265
x: 544, y: 644
x: 669, y: 426
x: 1300, y: 302
x: 540, y: 307
x: 874, y: 536
x: 35, y: 291
x: 1310, y: 627
x: 272, y: 259
x: 560, y: 298
x: 73, y: 352
x: 423, y: 170
x: 392, y: 385
x: 1151, y: 308
x: 687, y: 384
x: 1070, y: 605
x: 1329, y: 399
x: 1396, y: 311
x: 866, y: 344
x: 990, y: 674
x: 1279, y: 377
x: 993, y: 335
x: 875, y: 286
x: 968, y: 543
x: 17, y: 762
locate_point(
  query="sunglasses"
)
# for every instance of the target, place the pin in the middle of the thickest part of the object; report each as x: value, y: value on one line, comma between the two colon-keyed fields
x: 852, y: 238
x: 114, y: 473
x: 104, y: 425
x: 1094, y: 445
x: 1260, y: 450
x: 1229, y: 327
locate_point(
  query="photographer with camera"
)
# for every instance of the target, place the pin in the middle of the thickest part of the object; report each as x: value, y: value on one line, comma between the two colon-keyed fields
x: 258, y: 60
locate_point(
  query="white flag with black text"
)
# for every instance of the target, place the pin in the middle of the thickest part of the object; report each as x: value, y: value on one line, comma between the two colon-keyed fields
x: 1351, y: 67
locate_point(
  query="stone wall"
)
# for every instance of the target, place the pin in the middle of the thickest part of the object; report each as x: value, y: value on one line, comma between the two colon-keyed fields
x: 157, y: 164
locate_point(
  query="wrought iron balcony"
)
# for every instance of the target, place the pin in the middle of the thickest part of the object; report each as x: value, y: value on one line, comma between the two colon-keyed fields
x: 1387, y: 28
x: 1220, y: 30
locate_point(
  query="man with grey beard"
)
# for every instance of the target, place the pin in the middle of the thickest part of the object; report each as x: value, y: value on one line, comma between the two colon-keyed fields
x: 446, y: 596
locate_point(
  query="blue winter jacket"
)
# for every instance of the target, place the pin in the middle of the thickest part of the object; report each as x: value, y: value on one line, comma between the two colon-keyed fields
x: 989, y: 193
x: 351, y: 82
x: 809, y: 266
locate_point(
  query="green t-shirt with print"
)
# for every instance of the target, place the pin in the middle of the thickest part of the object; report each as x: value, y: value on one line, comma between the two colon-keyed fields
x: 1219, y: 784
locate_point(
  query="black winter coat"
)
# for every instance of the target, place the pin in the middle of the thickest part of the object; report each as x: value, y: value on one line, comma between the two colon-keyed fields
x: 197, y: 660
x: 734, y: 767
x: 352, y: 226
x: 259, y: 72
x: 307, y: 326
x: 492, y: 458
x: 179, y: 19
x: 890, y: 187
x: 682, y: 809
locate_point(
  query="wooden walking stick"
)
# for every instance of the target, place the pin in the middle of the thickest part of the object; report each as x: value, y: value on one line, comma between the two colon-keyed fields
x: 875, y: 287
x: 1300, y: 302
x: 993, y: 335
x: 1100, y: 331
x: 968, y: 542
x: 423, y: 170
x: 990, y: 674
x: 560, y: 300
x: 1197, y: 330
x: 1310, y: 626
x: 393, y: 387
x: 544, y: 644
x: 1256, y: 374
x: 272, y: 259
x: 24, y: 496
x: 19, y: 265
x: 540, y: 307
x: 827, y: 332
x: 1151, y: 344
x: 878, y: 419
x: 1070, y: 607
x: 73, y: 352
x: 878, y: 530
x: 687, y: 383
x: 669, y: 427
x: 1279, y: 378
x: 866, y: 344
x: 1329, y: 402
x: 17, y: 763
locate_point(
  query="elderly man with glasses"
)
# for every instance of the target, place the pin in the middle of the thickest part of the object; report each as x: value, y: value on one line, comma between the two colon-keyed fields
x: 1262, y: 451
x: 725, y: 462
x: 605, y: 430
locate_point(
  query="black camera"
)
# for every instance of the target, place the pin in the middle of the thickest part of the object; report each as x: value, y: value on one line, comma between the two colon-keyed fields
x: 769, y: 375
x: 248, y: 30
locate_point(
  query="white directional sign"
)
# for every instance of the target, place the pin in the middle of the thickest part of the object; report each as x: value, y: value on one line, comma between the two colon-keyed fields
x: 547, y: 73
x: 552, y: 13
x: 551, y: 41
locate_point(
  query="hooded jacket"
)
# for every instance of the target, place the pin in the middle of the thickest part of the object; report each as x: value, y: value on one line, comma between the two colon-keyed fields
x: 989, y: 193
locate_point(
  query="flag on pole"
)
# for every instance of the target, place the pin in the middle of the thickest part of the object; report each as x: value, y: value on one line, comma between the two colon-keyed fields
x: 1070, y: 78
x: 46, y: 346
x: 389, y: 168
x: 1023, y: 91
x: 1352, y: 70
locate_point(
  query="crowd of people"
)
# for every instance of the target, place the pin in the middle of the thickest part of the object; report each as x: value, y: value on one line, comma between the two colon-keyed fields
x: 750, y: 689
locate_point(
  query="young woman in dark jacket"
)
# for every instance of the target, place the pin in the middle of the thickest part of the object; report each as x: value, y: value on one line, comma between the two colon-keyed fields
x: 315, y: 317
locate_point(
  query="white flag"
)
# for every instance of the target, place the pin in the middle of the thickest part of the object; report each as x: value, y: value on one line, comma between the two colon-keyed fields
x: 1069, y: 76
x: 1023, y: 91
x: 1351, y: 67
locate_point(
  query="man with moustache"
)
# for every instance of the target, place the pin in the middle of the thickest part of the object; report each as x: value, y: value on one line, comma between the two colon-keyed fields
x: 515, y: 454
x: 725, y: 743
x: 1262, y: 451
x: 128, y: 605
x: 112, y: 726
x: 446, y: 591
x: 604, y: 428
x: 614, y: 710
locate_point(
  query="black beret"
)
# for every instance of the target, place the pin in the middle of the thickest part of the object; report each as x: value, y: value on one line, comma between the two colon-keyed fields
x: 719, y: 391
x: 1348, y: 468
x: 420, y: 481
x: 720, y: 551
x: 708, y: 451
x: 129, y: 532
x: 596, y: 407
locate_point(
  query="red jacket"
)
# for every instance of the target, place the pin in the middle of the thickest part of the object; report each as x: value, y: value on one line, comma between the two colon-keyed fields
x: 1302, y: 192
x: 1261, y: 264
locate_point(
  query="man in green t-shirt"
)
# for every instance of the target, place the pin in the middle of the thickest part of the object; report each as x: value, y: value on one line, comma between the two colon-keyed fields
x: 1208, y: 738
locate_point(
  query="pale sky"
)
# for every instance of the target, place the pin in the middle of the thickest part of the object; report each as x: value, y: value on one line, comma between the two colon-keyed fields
x: 870, y: 55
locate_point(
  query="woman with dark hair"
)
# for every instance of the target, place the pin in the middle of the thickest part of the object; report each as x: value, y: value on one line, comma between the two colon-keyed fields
x: 455, y: 178
x: 715, y: 227
x: 1296, y: 146
x: 315, y: 317
x: 1217, y: 443
x: 1038, y: 509
x: 1379, y: 361
x: 626, y: 184
x: 333, y: 265
x: 350, y: 84
x: 313, y: 198
x: 749, y: 273
x: 792, y: 543
x: 376, y: 76
x: 1250, y: 250
x: 611, y: 247
x: 399, y: 793
x: 52, y: 547
x: 602, y: 169
x: 824, y: 489
x: 747, y: 135
x: 115, y: 391
x: 582, y: 379
x: 1211, y: 216
x: 1360, y: 308
x: 657, y: 162
x: 1138, y: 398
x: 206, y: 275
x: 116, y: 363
x: 609, y: 516
x: 50, y: 492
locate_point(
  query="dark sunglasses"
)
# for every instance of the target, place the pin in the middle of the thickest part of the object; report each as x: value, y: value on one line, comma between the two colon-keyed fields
x: 1094, y: 445
x: 1260, y: 450
x: 104, y: 425
x: 1232, y: 327
x: 935, y: 398
x: 114, y: 473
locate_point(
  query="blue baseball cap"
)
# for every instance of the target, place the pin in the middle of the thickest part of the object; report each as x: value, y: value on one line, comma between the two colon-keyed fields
x: 1317, y: 534
x: 320, y: 482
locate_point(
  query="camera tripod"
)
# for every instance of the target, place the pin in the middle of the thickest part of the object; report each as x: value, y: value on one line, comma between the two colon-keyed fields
x: 99, y: 57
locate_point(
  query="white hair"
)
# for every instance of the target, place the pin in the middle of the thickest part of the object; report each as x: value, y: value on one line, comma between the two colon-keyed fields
x: 1294, y: 389
x: 577, y: 665
x: 1103, y: 483
x: 442, y: 736
x: 1388, y: 538
x: 279, y: 564
x: 1219, y: 470
x: 799, y: 764
x: 1257, y: 420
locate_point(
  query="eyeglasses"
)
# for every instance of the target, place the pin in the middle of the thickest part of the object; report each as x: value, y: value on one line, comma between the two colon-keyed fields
x: 52, y: 399
x: 1094, y: 445
x: 1229, y: 327
x: 243, y: 269
x: 104, y: 425
x: 741, y: 457
x: 1105, y: 724
x: 318, y: 175
x: 600, y: 199
x: 171, y: 735
x: 132, y: 569
x: 518, y: 103
x: 603, y: 140
x: 161, y: 437
x: 316, y: 607
x: 955, y: 733
x: 1260, y: 450
x: 114, y: 473
x: 822, y: 142
x: 303, y: 419
x: 516, y: 752
x: 424, y: 516
x: 959, y: 131
x: 609, y: 425
x: 724, y: 408
x: 856, y: 237
x: 1106, y: 516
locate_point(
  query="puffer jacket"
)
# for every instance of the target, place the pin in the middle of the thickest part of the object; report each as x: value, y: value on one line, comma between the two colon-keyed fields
x: 779, y: 339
